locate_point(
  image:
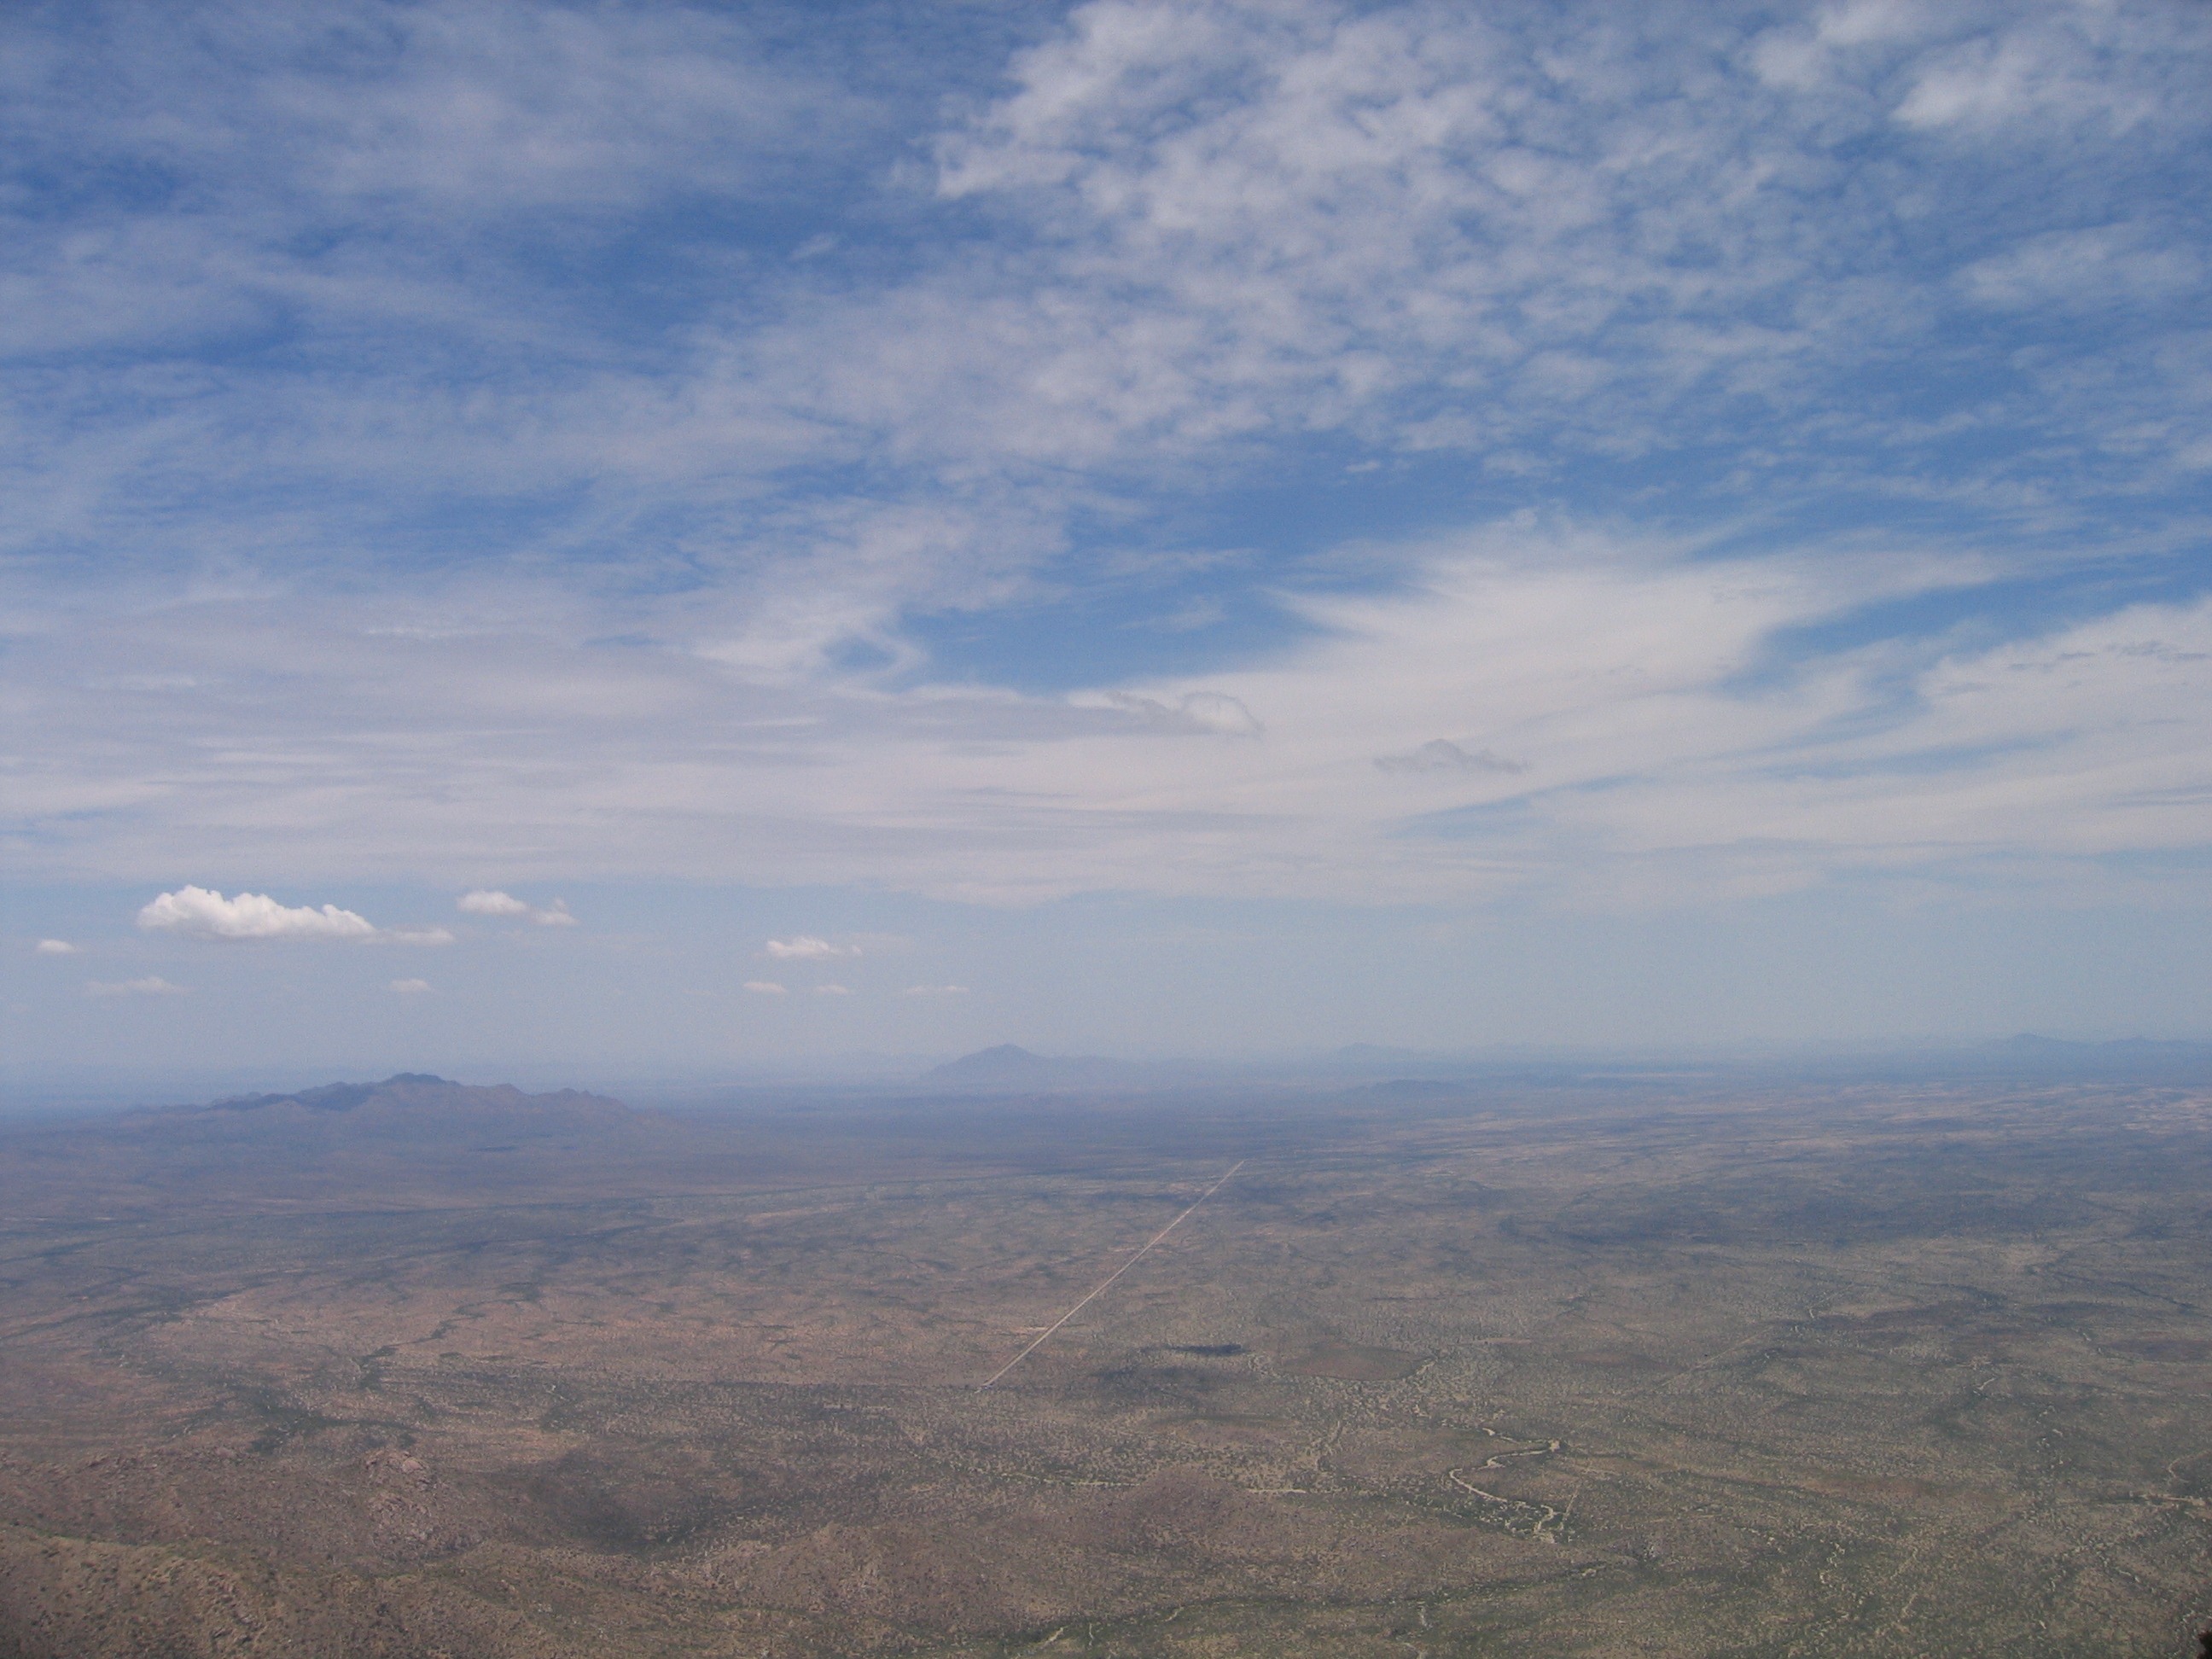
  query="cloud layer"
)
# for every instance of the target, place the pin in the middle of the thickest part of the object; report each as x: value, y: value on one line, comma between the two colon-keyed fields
x: 1627, y: 718
x: 1399, y: 454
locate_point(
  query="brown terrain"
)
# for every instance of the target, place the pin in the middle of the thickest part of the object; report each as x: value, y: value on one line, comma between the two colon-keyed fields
x: 1670, y: 1365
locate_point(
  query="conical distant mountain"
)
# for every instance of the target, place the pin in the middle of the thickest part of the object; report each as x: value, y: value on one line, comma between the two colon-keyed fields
x: 1011, y: 1066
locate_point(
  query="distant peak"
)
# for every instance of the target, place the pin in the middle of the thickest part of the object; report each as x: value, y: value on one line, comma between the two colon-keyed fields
x: 1007, y: 1057
x: 1009, y: 1065
x: 414, y: 1077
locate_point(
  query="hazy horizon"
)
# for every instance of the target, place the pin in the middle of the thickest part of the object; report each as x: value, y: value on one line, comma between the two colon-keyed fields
x: 1356, y: 1068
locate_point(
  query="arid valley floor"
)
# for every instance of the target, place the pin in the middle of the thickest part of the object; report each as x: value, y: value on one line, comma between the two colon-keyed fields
x: 1694, y: 1365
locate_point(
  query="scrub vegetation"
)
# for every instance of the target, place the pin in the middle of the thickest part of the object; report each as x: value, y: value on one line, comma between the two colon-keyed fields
x: 1666, y: 1365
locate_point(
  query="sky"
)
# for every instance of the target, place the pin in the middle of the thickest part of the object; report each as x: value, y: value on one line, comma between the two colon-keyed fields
x: 695, y: 537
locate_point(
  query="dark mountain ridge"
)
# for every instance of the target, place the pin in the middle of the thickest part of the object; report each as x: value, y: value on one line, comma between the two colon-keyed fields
x: 405, y: 1106
x: 334, y: 1096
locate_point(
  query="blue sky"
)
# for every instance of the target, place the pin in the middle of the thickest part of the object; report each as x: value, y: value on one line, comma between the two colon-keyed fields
x: 1206, y: 527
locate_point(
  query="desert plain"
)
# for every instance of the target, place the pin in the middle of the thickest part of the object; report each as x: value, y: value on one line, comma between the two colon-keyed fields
x: 1679, y: 1363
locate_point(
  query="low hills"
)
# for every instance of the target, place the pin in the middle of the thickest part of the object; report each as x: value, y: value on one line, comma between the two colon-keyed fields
x: 410, y: 1138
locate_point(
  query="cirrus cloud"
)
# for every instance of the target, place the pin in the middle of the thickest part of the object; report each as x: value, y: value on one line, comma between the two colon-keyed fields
x: 415, y: 936
x: 1196, y: 712
x: 1441, y: 755
x: 1531, y: 236
x: 154, y: 986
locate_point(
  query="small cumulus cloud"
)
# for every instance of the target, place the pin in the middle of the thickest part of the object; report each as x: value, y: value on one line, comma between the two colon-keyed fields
x: 766, y: 988
x: 490, y: 901
x: 804, y: 947
x: 833, y: 990
x: 934, y: 991
x: 417, y: 936
x: 484, y: 902
x: 154, y: 987
x: 1210, y: 712
x: 198, y: 912
x: 1438, y: 755
x: 411, y: 987
x: 56, y: 947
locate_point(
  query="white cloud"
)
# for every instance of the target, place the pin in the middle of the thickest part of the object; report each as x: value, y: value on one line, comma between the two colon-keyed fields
x: 484, y: 902
x: 485, y: 109
x: 2086, y: 269
x: 416, y: 936
x: 154, y: 987
x: 1650, y: 688
x: 411, y: 987
x: 804, y: 947
x: 833, y: 991
x: 1291, y: 216
x: 56, y: 947
x: 934, y: 991
x: 2052, y: 66
x: 199, y: 912
x: 767, y: 988
x: 1440, y: 754
x: 1208, y: 712
x: 1386, y: 229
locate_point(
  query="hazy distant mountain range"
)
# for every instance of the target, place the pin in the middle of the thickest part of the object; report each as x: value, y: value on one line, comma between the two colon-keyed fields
x: 1010, y: 1067
x: 2029, y: 1042
x: 413, y: 1104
